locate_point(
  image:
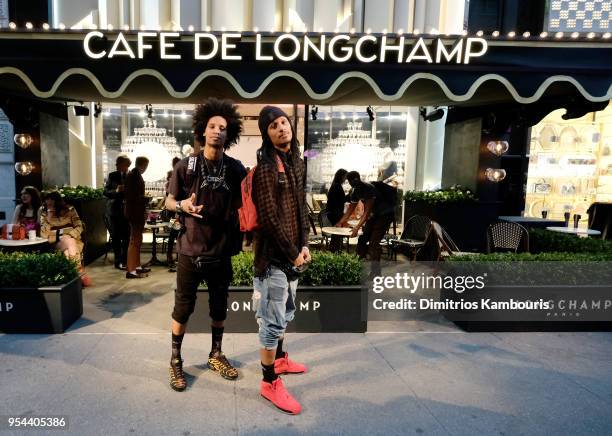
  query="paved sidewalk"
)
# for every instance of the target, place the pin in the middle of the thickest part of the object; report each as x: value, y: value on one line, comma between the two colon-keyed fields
x: 109, y: 375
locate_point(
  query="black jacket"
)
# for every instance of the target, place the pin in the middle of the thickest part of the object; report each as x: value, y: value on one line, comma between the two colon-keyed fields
x: 335, y: 202
x: 114, y: 199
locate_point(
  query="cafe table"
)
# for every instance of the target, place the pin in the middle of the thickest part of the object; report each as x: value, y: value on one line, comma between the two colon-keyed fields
x: 342, y: 232
x: 27, y: 245
x: 532, y: 222
x: 154, y: 230
x: 574, y: 231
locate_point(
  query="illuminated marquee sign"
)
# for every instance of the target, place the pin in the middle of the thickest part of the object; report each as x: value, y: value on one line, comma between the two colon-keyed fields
x: 288, y: 47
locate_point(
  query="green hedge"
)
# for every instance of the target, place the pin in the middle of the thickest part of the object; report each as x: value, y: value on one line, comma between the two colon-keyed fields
x: 35, y: 270
x: 543, y: 241
x: 454, y: 194
x: 537, y: 257
x: 81, y: 193
x: 541, y: 269
x: 326, y: 269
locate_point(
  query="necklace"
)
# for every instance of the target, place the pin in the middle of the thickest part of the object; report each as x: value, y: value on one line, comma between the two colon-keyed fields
x: 209, y: 177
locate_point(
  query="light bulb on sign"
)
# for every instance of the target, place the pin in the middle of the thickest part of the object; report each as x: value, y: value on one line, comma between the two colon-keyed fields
x: 495, y: 174
x: 498, y: 147
x: 24, y: 168
x: 23, y: 140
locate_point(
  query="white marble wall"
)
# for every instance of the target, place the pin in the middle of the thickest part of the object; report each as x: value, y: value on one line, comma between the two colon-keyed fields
x: 242, y: 15
x: 4, y: 13
x: 7, y: 169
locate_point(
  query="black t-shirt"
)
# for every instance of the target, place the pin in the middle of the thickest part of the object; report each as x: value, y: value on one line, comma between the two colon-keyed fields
x: 363, y: 192
x: 217, y: 185
x: 335, y: 202
x: 384, y: 197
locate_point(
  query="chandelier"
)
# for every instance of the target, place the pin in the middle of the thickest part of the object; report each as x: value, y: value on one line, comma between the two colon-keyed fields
x: 353, y: 149
x: 151, y: 133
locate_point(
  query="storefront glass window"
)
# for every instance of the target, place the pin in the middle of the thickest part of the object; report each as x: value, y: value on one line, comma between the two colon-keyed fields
x: 169, y: 133
x: 345, y: 137
x: 570, y: 165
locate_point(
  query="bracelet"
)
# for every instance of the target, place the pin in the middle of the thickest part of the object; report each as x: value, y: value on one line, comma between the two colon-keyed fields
x: 178, y: 207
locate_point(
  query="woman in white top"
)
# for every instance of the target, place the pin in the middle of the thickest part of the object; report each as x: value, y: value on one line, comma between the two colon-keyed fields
x: 27, y: 213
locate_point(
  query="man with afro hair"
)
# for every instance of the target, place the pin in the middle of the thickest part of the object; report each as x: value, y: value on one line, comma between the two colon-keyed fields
x: 204, y: 190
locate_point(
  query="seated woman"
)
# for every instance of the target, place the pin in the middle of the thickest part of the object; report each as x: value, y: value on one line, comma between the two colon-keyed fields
x: 27, y: 213
x: 336, y: 198
x: 61, y: 225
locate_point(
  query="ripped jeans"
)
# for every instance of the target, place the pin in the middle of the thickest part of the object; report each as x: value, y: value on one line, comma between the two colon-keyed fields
x: 276, y: 307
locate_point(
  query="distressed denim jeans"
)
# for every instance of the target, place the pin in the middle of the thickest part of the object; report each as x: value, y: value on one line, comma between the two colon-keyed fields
x: 276, y: 308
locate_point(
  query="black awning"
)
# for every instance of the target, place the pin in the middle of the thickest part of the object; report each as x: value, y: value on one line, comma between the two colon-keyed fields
x: 54, y: 65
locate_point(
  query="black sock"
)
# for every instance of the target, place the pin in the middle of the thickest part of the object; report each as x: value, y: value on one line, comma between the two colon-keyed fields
x: 217, y: 339
x: 177, y: 341
x: 268, y: 372
x: 279, y: 349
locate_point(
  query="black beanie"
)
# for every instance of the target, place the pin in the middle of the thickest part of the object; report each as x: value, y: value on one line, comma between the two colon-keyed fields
x: 267, y: 115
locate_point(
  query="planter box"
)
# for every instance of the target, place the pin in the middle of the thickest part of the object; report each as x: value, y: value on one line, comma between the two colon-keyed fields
x: 50, y: 309
x: 327, y: 309
x: 466, y: 223
x: 94, y: 236
x: 592, y: 310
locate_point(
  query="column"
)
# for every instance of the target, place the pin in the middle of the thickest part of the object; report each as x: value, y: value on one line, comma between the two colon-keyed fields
x: 357, y: 24
x: 205, y: 18
x: 403, y: 17
x: 379, y: 15
x: 445, y: 17
x: 175, y: 13
x: 326, y: 15
x: 134, y: 19
x: 228, y: 15
x: 452, y: 16
x: 264, y: 15
x: 4, y: 13
x: 7, y: 169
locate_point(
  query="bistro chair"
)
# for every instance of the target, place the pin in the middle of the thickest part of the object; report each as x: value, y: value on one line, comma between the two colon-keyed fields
x: 386, y: 240
x: 506, y: 236
x: 446, y: 247
x: 413, y: 237
x: 314, y: 238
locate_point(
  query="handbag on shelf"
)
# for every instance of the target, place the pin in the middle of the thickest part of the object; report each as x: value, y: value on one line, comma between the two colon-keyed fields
x: 542, y: 187
x: 568, y: 189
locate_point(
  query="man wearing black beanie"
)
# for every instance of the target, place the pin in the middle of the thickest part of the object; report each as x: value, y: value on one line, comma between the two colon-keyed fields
x: 280, y: 246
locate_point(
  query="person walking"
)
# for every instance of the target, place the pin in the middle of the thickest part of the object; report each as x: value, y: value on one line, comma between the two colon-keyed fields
x: 118, y: 226
x: 135, y: 212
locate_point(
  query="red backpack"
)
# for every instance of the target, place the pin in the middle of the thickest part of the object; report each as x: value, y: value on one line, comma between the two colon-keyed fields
x: 248, y: 212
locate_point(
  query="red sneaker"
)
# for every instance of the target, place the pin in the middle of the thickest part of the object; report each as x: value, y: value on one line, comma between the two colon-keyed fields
x: 278, y: 395
x: 85, y: 280
x: 284, y: 365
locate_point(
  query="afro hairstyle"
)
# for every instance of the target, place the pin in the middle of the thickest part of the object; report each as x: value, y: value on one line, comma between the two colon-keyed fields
x: 214, y: 107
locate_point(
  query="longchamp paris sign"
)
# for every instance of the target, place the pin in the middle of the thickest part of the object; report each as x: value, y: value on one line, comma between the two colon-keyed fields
x: 288, y: 47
